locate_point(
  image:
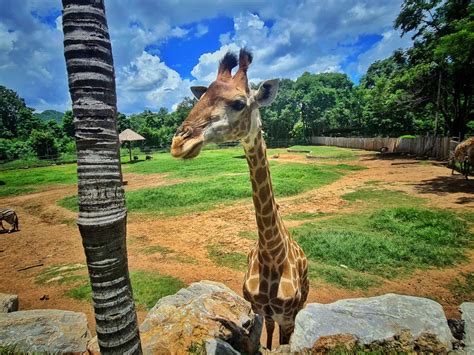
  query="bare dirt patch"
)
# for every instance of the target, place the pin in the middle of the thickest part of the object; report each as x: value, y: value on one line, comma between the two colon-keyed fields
x: 49, y: 236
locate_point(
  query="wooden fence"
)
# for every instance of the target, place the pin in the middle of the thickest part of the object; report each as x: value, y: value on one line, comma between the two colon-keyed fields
x: 434, y: 147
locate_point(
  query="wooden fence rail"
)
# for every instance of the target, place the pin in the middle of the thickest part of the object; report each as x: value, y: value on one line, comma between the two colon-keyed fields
x: 434, y: 147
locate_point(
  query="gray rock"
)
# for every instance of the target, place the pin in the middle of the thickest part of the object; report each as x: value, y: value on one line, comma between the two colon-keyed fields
x: 395, y: 322
x: 45, y: 331
x: 219, y: 347
x: 467, y: 310
x: 201, y: 312
x: 8, y: 303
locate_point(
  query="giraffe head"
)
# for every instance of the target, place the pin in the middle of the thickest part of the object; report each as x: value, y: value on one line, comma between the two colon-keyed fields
x: 226, y: 111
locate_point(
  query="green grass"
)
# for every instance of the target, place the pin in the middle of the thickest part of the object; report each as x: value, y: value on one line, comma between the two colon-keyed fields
x: 61, y: 274
x: 327, y: 151
x: 153, y: 249
x: 252, y: 235
x: 341, y: 276
x: 233, y: 260
x: 219, y: 162
x: 168, y: 252
x: 70, y: 203
x: 462, y: 287
x: 9, y: 349
x: 467, y: 216
x: 305, y: 215
x: 383, y: 197
x: 147, y: 287
x: 209, y: 162
x: 288, y: 179
x: 387, y: 243
x: 22, y: 181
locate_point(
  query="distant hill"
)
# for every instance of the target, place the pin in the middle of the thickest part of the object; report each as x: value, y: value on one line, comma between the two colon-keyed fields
x: 48, y: 115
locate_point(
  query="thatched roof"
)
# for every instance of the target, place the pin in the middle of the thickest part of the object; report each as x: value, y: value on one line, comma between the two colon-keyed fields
x: 129, y: 135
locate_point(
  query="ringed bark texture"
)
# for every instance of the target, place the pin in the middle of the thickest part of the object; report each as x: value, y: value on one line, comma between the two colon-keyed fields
x: 102, y: 212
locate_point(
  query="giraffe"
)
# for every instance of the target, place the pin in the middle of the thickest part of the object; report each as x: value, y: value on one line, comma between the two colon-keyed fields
x: 276, y: 282
x: 464, y: 155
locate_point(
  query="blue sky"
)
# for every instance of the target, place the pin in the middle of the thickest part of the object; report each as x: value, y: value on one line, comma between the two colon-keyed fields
x: 163, y: 47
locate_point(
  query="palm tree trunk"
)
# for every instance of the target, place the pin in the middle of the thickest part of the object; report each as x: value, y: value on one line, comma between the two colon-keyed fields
x: 102, y: 212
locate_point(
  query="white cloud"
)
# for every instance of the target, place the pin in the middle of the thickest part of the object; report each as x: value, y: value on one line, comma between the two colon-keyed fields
x: 286, y: 37
x: 201, y: 30
x: 149, y: 83
x: 7, y: 39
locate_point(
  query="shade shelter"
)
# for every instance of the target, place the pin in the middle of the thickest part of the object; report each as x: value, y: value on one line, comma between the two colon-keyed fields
x: 130, y: 136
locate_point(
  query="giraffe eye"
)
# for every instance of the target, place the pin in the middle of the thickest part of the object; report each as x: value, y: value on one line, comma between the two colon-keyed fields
x: 238, y: 105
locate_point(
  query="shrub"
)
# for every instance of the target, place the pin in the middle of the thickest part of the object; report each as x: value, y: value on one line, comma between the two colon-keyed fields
x: 44, y: 144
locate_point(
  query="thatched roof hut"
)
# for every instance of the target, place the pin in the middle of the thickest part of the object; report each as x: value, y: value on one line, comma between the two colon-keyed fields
x: 130, y: 136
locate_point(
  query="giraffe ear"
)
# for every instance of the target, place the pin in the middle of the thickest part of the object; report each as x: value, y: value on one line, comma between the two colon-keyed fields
x: 267, y: 92
x: 198, y: 91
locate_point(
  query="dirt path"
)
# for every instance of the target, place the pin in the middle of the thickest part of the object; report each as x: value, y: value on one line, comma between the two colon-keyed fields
x: 48, y: 235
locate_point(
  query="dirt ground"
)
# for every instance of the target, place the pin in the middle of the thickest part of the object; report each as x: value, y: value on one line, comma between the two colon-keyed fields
x: 49, y: 237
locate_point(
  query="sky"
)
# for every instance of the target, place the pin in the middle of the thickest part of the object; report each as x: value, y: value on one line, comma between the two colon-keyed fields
x: 161, y: 48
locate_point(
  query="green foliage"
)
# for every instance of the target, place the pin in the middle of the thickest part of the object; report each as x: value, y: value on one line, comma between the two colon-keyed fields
x: 67, y: 123
x: 44, y: 144
x: 424, y: 89
x: 387, y: 243
x: 50, y: 115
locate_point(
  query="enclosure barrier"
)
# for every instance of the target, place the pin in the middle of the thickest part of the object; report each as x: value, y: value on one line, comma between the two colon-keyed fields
x: 433, y: 147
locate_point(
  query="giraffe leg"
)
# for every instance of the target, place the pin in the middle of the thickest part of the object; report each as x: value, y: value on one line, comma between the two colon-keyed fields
x: 270, y: 326
x: 285, y: 333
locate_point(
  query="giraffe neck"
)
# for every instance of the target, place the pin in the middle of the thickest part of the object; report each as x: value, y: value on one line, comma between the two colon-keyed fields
x: 272, y: 234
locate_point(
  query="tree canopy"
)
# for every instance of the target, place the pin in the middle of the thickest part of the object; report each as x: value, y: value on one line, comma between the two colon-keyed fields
x: 426, y: 89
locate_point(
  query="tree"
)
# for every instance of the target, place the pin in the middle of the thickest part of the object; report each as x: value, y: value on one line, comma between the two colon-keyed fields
x: 14, y: 113
x: 44, y: 144
x: 102, y: 213
x: 68, y: 123
x: 444, y: 44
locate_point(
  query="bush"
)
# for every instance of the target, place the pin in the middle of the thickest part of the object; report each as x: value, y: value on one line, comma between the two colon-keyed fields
x: 44, y: 144
x: 15, y: 149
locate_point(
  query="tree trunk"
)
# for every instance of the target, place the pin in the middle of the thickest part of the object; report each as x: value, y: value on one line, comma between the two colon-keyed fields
x: 102, y: 213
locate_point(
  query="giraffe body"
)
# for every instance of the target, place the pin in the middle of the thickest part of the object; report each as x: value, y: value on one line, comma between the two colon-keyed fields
x: 464, y: 155
x: 276, y: 282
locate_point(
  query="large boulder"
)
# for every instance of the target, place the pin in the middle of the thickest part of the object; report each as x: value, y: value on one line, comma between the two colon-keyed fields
x: 205, y: 316
x: 467, y: 315
x: 8, y: 303
x: 44, y: 331
x: 390, y: 322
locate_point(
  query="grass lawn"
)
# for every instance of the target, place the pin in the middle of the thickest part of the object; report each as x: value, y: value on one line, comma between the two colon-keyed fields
x: 232, y: 260
x: 216, y: 177
x: 359, y: 250
x: 17, y: 182
x: 328, y: 152
x: 148, y: 287
x: 209, y: 163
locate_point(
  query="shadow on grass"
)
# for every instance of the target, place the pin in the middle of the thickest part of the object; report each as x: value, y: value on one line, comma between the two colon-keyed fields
x: 443, y: 185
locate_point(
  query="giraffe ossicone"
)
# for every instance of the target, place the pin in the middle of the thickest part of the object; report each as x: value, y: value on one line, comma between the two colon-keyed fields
x: 276, y: 282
